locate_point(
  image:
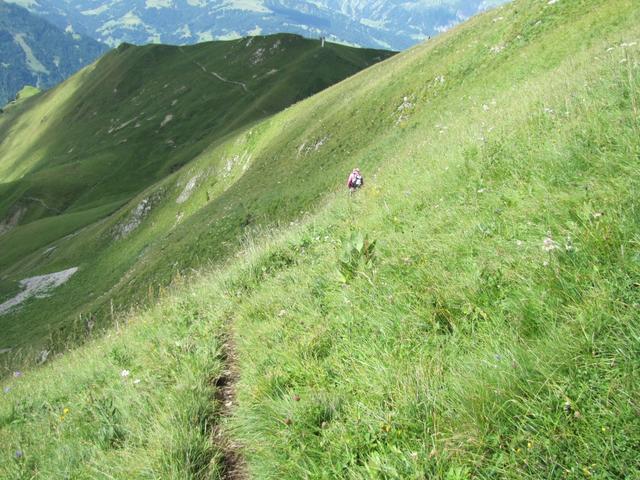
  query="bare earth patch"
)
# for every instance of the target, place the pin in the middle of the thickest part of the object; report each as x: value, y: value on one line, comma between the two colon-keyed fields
x: 188, y: 190
x: 38, y: 287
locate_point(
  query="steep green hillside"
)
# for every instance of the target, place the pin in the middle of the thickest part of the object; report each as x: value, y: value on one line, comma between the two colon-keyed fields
x: 471, y: 313
x: 35, y: 52
x: 75, y: 155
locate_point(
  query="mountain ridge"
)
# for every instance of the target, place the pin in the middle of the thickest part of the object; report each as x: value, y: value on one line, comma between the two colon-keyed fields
x: 76, y: 156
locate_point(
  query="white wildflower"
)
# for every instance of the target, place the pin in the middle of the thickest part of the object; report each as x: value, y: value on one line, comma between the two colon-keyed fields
x: 549, y: 245
x: 569, y: 245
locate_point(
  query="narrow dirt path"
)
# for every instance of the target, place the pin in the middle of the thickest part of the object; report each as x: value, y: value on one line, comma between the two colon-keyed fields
x: 232, y: 464
x: 42, y: 202
x: 217, y: 75
x: 221, y: 78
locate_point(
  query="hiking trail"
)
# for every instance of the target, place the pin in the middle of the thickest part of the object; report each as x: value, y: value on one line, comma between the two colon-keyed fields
x: 232, y: 464
x: 216, y: 75
x: 43, y: 203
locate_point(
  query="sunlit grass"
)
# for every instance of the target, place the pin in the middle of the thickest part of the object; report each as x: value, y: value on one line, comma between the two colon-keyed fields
x: 490, y: 331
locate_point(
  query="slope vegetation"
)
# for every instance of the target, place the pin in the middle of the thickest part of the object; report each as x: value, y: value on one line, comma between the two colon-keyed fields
x: 75, y: 155
x: 471, y: 313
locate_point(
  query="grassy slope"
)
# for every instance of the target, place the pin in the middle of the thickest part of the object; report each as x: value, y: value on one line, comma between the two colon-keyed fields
x: 464, y: 349
x: 75, y: 155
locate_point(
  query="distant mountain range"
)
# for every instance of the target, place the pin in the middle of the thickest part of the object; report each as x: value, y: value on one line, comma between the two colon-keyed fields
x: 35, y: 52
x: 394, y: 24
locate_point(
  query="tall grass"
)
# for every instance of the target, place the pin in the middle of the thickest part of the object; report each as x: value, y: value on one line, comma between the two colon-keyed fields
x: 495, y: 336
x: 489, y: 332
x: 138, y: 403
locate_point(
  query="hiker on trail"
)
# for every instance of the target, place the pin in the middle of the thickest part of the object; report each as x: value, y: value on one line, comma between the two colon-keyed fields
x: 355, y: 180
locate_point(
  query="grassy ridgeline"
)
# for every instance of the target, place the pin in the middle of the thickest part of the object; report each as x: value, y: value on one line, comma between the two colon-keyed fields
x: 492, y: 335
x: 78, y: 160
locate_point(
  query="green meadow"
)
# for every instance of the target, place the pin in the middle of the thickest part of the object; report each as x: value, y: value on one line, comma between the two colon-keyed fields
x: 471, y: 313
x: 76, y: 161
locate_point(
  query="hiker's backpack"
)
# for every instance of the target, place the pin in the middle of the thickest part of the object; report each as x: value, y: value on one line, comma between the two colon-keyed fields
x: 357, y: 182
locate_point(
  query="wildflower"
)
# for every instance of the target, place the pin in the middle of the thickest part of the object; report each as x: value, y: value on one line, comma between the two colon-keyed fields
x: 597, y: 215
x: 519, y: 243
x: 125, y: 373
x: 65, y: 411
x: 6, y: 389
x: 569, y: 245
x: 136, y: 381
x: 17, y: 374
x: 19, y: 454
x: 567, y: 406
x: 549, y: 245
x: 529, y: 445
